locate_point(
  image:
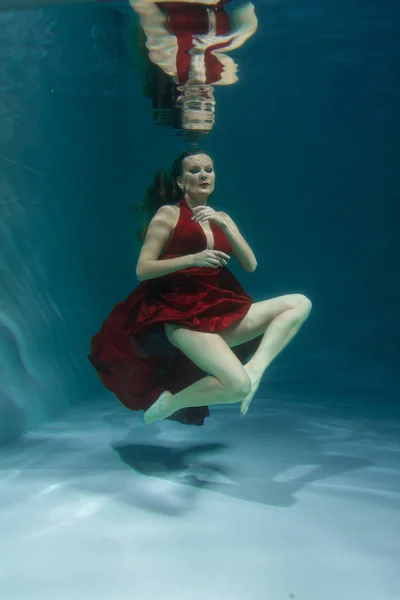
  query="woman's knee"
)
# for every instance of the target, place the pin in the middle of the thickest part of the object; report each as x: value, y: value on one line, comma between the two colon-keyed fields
x: 239, y: 383
x: 303, y: 304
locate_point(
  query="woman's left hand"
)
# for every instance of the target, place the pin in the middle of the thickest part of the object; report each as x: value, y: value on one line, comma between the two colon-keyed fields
x: 206, y: 213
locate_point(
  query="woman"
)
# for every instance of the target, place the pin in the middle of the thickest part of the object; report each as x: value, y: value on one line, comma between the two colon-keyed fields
x: 190, y: 42
x: 190, y: 39
x: 178, y: 343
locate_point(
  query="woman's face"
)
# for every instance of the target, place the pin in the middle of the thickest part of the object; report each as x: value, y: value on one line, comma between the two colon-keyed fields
x: 198, y: 177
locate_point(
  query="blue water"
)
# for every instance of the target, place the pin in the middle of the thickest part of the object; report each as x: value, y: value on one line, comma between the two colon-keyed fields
x: 311, y: 132
x: 307, y: 152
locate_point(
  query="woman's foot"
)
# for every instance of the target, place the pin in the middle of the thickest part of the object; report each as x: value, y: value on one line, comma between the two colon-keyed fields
x: 161, y: 409
x: 255, y: 379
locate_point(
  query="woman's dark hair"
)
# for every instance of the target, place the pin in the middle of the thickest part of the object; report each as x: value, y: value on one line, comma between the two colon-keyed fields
x: 163, y: 190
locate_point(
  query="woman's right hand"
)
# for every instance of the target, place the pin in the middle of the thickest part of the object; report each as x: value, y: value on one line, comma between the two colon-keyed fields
x: 211, y: 258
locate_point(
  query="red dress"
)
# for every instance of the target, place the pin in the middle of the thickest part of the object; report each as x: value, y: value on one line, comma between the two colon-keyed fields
x: 131, y: 352
x: 186, y: 21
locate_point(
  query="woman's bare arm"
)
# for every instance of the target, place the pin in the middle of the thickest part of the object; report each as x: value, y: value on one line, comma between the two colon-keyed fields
x: 149, y: 266
x: 240, y: 248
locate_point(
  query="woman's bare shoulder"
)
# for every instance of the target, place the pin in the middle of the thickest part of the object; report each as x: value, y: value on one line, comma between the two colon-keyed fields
x: 169, y: 213
x: 159, y: 232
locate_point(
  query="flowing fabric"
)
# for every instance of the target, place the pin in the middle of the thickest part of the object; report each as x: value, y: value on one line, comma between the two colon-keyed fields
x: 132, y: 354
x: 186, y: 21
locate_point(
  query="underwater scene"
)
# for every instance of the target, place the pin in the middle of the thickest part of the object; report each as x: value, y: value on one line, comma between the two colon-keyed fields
x: 199, y: 283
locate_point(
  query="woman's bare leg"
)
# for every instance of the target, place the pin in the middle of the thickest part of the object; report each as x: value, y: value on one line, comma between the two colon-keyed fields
x: 278, y: 334
x: 228, y: 383
x: 277, y: 320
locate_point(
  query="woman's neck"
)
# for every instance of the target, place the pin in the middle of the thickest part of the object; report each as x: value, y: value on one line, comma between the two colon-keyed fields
x: 194, y: 201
